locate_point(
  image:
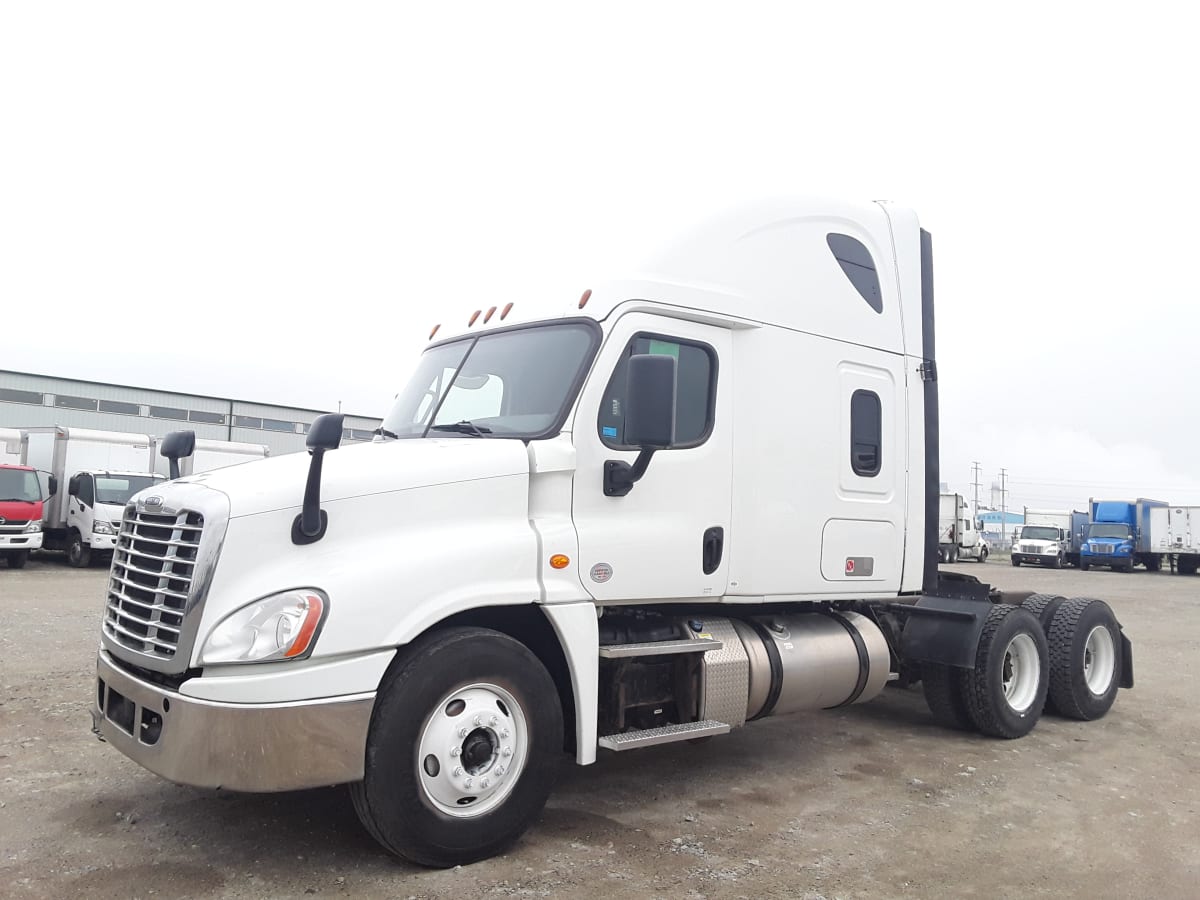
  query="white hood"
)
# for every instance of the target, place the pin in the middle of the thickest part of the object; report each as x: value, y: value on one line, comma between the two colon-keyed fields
x: 363, y: 469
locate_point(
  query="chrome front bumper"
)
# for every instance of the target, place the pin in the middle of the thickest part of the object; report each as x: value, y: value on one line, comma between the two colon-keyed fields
x: 236, y: 746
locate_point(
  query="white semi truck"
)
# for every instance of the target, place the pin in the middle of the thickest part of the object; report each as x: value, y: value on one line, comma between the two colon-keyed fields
x: 101, y: 471
x: 696, y: 499
x: 959, y: 535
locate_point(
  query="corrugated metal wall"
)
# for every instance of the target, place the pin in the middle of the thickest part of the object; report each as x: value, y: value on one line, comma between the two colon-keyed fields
x: 28, y: 401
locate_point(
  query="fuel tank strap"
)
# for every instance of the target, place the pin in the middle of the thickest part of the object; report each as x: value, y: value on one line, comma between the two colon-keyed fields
x: 776, y: 669
x: 864, y: 658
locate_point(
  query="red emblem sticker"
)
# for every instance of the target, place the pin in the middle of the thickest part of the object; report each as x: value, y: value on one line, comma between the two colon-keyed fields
x: 849, y: 567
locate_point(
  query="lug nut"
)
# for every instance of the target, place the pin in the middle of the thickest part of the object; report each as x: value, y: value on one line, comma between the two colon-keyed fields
x: 454, y: 751
x: 499, y: 771
x: 494, y: 721
x: 478, y: 720
x: 484, y: 783
x: 508, y: 751
x: 504, y: 733
x: 458, y: 770
x: 462, y: 732
x: 467, y: 784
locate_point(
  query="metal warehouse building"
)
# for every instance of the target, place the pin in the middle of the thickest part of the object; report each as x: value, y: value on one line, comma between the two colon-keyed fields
x: 29, y: 401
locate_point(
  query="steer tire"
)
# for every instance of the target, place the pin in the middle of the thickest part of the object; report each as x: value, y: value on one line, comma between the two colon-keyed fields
x: 943, y: 694
x: 1081, y: 652
x: 983, y: 554
x: 1012, y: 646
x: 1084, y: 566
x: 17, y: 560
x: 413, y: 811
x: 79, y: 554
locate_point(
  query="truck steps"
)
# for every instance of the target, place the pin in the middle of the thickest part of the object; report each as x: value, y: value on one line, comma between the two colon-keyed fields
x: 688, y: 731
x: 659, y: 648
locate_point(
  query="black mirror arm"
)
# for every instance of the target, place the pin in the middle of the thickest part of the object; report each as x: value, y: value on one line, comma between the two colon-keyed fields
x: 620, y: 477
x: 309, y: 526
x: 174, y: 467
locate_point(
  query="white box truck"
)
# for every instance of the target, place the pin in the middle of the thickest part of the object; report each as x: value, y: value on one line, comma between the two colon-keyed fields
x: 98, y: 471
x: 1050, y: 537
x: 210, y: 454
x: 1175, y: 533
x: 959, y: 534
x: 695, y: 500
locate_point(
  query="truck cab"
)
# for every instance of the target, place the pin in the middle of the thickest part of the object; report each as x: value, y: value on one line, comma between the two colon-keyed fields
x: 21, y: 500
x: 95, y: 504
x: 1109, y: 544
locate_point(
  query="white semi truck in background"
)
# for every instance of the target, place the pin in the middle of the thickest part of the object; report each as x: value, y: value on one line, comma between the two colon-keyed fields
x: 695, y: 500
x: 1050, y: 537
x: 959, y: 532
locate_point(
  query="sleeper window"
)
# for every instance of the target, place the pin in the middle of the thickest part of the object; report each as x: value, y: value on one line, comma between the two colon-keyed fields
x: 866, y: 433
x: 695, y: 392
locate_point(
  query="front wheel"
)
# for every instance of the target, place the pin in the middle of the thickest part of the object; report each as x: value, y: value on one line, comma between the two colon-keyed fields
x: 465, y: 737
x: 983, y: 553
x: 79, y: 554
x: 1084, y: 565
x: 17, y: 560
x: 1016, y: 563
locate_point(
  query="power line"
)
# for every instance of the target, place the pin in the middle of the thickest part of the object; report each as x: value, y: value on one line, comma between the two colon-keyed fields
x: 1003, y: 508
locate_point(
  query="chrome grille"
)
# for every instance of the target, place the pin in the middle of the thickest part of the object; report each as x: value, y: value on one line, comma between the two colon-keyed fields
x: 151, y: 580
x: 1103, y: 548
x: 14, y: 524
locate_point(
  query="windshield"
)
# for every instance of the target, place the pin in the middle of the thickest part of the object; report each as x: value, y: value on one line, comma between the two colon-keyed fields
x: 119, y: 488
x: 1115, y: 530
x: 515, y: 383
x: 19, y: 484
x: 1039, y: 533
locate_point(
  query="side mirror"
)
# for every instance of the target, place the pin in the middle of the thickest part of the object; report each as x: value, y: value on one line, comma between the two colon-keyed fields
x: 73, y: 486
x: 53, y: 485
x: 325, y: 433
x: 176, y: 446
x: 649, y: 418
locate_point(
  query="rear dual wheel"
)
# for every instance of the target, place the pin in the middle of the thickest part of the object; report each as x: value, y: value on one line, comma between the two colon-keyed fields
x: 1085, y: 658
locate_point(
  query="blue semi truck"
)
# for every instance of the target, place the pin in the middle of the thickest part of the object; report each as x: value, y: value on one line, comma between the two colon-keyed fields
x: 1118, y: 535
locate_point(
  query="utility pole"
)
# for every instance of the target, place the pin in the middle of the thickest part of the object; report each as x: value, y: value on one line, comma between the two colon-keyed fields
x: 1003, y: 505
x: 975, y: 469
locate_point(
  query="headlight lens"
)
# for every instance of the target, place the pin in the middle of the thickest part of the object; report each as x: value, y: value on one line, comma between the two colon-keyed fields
x: 33, y: 527
x: 281, y: 626
x: 99, y: 527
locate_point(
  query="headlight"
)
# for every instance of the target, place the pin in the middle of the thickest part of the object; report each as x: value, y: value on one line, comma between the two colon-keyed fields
x: 33, y: 527
x: 99, y: 527
x: 281, y: 626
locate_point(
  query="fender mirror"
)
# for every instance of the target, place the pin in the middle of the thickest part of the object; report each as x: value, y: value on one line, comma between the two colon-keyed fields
x: 325, y: 433
x: 649, y: 418
x: 176, y: 446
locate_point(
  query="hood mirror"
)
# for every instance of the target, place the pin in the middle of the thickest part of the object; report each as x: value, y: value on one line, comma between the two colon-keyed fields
x: 176, y: 446
x: 325, y: 433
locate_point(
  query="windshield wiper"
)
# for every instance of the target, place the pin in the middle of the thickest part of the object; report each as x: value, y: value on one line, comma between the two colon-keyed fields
x: 387, y: 434
x: 464, y: 427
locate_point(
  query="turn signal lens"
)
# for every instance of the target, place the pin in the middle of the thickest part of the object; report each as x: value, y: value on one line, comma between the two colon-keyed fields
x: 282, y: 626
x: 559, y: 561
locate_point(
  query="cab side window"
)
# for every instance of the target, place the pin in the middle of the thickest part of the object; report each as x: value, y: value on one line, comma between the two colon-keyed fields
x: 695, y: 398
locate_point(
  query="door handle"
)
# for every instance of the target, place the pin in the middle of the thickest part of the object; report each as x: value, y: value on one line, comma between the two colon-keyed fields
x: 713, y: 548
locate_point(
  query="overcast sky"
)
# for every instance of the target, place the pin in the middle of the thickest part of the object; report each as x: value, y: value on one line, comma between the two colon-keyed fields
x: 277, y: 201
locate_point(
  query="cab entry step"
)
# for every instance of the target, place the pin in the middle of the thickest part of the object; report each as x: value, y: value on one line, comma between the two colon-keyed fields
x: 659, y: 648
x: 632, y: 740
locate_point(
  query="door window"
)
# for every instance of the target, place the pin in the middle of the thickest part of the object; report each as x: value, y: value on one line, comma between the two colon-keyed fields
x: 695, y: 397
x: 866, y: 433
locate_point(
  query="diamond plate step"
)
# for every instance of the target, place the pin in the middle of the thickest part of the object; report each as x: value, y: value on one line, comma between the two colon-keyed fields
x: 659, y: 648
x: 632, y: 740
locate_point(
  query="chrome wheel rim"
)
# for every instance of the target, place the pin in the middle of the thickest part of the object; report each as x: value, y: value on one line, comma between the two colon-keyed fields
x: 1099, y: 660
x: 473, y: 747
x: 1021, y: 673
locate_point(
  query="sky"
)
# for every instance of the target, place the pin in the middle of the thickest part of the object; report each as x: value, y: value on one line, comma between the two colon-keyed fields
x: 276, y: 201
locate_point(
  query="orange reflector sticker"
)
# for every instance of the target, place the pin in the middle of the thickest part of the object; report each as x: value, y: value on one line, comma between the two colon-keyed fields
x: 558, y: 561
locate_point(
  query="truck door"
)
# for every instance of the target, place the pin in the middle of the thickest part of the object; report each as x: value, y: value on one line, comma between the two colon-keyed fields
x: 81, y: 504
x: 668, y: 537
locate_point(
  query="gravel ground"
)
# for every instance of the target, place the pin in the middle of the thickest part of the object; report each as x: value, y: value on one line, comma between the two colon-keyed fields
x: 872, y: 801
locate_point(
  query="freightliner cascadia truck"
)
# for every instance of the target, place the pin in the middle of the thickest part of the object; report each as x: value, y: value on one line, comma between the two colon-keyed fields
x: 694, y: 500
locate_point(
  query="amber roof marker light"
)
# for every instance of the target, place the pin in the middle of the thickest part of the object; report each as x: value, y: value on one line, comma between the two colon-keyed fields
x: 504, y: 312
x: 488, y: 315
x: 587, y: 295
x: 435, y: 329
x: 474, y: 316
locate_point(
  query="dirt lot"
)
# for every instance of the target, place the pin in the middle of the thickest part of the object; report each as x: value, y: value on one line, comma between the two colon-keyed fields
x: 872, y: 801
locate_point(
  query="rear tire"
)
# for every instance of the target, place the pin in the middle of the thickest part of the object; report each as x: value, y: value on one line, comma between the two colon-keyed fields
x: 1006, y: 690
x: 416, y: 799
x: 17, y: 560
x: 953, y: 553
x: 1085, y: 658
x: 943, y: 693
x: 79, y: 554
